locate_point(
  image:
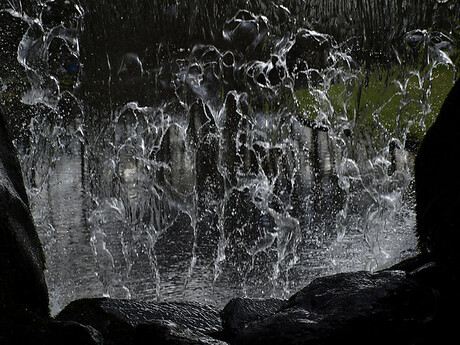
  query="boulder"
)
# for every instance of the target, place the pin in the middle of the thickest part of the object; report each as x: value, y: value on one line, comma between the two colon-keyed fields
x: 349, y: 293
x: 118, y: 320
x: 240, y: 312
x: 66, y: 332
x: 23, y: 290
x: 170, y: 333
x: 437, y: 184
x: 350, y: 308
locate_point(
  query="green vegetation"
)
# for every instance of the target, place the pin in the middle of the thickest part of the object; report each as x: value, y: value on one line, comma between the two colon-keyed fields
x: 391, y: 101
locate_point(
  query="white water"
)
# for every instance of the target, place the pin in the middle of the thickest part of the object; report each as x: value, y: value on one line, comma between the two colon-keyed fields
x: 218, y: 186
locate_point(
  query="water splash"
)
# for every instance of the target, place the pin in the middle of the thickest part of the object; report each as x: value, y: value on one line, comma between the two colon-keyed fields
x: 265, y: 153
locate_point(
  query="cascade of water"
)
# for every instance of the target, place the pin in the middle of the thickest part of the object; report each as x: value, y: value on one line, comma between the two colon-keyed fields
x: 264, y: 146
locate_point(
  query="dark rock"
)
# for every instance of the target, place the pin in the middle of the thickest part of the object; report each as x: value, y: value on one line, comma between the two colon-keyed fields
x: 293, y: 326
x: 412, y: 263
x: 443, y: 281
x: 350, y: 308
x: 427, y: 272
x: 23, y: 290
x: 117, y: 319
x: 437, y: 184
x: 437, y: 189
x: 240, y: 312
x: 69, y: 333
x: 349, y: 293
x: 169, y: 333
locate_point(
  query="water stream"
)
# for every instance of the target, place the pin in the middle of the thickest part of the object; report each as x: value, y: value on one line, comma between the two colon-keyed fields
x: 203, y: 150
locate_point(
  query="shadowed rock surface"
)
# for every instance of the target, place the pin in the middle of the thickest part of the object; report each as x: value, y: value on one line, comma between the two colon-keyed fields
x: 117, y: 319
x: 169, y: 333
x: 23, y: 290
x: 240, y: 312
x: 438, y: 185
x: 351, y: 308
x: 67, y: 332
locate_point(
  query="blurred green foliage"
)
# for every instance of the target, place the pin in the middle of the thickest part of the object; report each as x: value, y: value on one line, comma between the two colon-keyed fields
x: 399, y: 104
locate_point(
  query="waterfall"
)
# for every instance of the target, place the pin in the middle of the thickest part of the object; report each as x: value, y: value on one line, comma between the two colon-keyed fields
x: 203, y: 150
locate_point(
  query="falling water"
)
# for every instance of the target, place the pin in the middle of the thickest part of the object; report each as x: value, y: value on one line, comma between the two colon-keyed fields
x: 205, y: 150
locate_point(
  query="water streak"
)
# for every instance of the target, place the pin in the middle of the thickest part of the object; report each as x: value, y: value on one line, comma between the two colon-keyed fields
x: 273, y: 147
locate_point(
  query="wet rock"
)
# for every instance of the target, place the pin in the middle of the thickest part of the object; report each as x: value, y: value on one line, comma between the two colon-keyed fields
x: 442, y: 280
x: 412, y: 263
x: 438, y: 186
x: 359, y: 290
x: 117, y: 319
x: 425, y: 270
x: 350, y: 308
x: 169, y: 333
x: 240, y: 312
x: 293, y: 326
x: 23, y: 290
x: 69, y: 333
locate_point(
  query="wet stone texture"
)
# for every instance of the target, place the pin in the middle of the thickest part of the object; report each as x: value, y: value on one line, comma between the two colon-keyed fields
x: 437, y: 184
x: 67, y: 332
x: 123, y: 321
x: 357, y: 307
x: 404, y: 306
x: 240, y: 312
x: 164, y: 332
x: 23, y: 291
